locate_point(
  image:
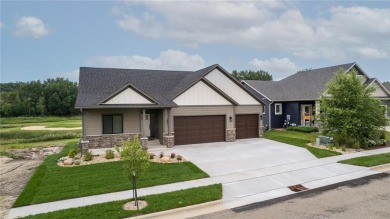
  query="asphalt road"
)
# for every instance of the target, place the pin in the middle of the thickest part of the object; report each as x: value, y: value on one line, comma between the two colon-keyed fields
x: 367, y: 198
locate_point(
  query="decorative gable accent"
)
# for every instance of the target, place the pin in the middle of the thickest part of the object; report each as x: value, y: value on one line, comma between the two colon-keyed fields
x: 202, y: 95
x: 379, y: 90
x: 128, y: 96
x: 230, y: 88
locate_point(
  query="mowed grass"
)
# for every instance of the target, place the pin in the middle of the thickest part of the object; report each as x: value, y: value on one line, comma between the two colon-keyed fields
x: 12, y: 137
x: 43, y: 119
x: 51, y: 182
x: 299, y: 139
x: 156, y: 203
x: 368, y: 161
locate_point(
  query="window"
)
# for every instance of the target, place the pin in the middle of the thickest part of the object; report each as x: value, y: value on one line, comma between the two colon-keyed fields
x: 112, y: 124
x: 278, y: 109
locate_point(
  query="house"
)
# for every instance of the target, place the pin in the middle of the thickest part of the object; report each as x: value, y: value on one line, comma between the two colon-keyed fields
x: 294, y: 100
x: 175, y: 107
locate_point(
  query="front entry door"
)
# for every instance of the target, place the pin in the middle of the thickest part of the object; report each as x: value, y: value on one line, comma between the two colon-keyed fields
x: 306, y: 115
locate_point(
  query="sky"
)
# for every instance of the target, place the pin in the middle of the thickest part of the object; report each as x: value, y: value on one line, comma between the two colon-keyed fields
x: 48, y: 39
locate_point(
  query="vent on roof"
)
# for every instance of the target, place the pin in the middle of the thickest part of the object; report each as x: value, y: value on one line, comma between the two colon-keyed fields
x: 297, y: 188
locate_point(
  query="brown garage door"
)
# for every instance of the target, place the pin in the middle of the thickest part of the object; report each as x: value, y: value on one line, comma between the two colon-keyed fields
x: 199, y: 129
x: 247, y: 126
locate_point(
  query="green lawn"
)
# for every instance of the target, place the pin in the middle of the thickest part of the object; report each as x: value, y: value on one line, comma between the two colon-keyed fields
x: 43, y: 119
x: 369, y: 161
x: 12, y: 137
x: 299, y: 139
x: 51, y: 182
x: 156, y: 203
x: 387, y: 136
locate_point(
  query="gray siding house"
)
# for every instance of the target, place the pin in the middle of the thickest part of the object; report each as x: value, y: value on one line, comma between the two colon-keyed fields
x: 175, y: 107
x: 294, y: 100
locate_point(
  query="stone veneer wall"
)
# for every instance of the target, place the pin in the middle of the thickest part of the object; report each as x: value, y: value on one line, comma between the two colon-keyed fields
x: 231, y: 134
x: 105, y: 141
x: 261, y: 131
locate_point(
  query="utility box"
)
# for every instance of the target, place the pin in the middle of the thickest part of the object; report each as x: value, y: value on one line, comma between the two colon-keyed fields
x: 325, y: 139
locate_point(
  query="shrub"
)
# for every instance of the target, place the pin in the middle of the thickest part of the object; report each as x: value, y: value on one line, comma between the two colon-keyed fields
x: 161, y: 154
x: 88, y: 156
x: 343, y: 149
x: 305, y: 129
x: 173, y: 155
x: 179, y: 157
x: 109, y: 154
x: 72, y: 153
x: 151, y: 156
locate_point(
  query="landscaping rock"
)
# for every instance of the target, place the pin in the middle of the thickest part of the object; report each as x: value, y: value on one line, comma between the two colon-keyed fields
x: 165, y: 159
x: 68, y: 161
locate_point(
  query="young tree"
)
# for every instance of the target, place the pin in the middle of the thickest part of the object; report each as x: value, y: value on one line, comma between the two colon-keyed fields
x: 252, y: 75
x: 350, y: 113
x: 136, y: 162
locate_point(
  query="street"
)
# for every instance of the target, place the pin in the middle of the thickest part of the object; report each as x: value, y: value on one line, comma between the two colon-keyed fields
x: 367, y: 197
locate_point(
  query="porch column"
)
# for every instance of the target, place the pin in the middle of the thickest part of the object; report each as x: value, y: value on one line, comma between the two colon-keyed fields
x: 143, y: 123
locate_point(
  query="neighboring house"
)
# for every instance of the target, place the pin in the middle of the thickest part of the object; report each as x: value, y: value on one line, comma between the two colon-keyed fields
x: 175, y: 107
x: 294, y: 100
x: 387, y: 86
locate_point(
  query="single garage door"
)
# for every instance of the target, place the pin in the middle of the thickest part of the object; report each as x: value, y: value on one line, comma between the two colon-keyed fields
x: 247, y: 126
x: 199, y: 129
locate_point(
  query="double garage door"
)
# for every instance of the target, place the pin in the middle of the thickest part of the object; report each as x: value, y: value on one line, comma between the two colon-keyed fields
x: 205, y: 129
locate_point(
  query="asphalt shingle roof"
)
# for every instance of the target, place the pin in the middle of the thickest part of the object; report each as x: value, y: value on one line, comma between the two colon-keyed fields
x: 96, y: 84
x: 303, y: 85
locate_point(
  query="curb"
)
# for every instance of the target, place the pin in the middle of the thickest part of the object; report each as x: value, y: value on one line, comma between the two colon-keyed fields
x: 381, y: 168
x: 310, y: 192
x: 188, y: 211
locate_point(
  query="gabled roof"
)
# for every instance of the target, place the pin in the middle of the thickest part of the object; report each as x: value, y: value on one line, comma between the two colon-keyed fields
x: 386, y: 85
x: 96, y: 85
x: 303, y: 85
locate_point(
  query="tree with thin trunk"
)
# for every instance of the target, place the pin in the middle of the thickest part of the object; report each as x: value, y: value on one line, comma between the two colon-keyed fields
x: 350, y: 113
x: 136, y: 162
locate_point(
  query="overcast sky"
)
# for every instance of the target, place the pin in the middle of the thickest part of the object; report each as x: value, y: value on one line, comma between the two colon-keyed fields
x: 43, y: 39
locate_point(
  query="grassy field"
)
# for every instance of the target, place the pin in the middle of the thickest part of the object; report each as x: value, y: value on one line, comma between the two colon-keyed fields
x: 12, y: 137
x: 51, y: 182
x: 299, y: 139
x: 156, y: 203
x: 369, y: 161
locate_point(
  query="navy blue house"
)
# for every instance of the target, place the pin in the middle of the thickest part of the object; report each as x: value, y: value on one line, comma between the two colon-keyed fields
x: 294, y: 100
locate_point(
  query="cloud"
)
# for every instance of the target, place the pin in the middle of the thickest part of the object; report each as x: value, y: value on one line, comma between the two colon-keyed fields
x: 278, y: 68
x: 1, y: 25
x: 168, y: 60
x: 31, y: 27
x: 264, y: 25
x: 72, y: 75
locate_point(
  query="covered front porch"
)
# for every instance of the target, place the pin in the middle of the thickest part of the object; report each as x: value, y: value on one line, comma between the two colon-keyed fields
x: 109, y: 127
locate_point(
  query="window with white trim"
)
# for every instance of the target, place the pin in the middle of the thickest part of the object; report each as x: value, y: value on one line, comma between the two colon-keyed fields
x: 278, y: 109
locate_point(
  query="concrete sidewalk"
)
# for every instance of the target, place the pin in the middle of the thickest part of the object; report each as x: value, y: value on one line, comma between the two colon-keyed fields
x: 266, y: 183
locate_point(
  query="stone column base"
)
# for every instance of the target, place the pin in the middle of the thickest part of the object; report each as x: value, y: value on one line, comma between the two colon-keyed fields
x: 261, y: 131
x: 144, y: 143
x: 169, y: 141
x: 231, y: 134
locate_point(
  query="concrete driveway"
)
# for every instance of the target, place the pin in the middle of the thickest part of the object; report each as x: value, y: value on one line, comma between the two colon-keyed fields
x: 253, y: 170
x: 242, y: 155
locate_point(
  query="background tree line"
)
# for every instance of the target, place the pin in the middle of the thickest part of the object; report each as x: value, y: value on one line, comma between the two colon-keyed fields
x: 52, y: 97
x: 252, y: 75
